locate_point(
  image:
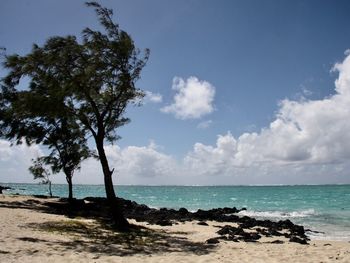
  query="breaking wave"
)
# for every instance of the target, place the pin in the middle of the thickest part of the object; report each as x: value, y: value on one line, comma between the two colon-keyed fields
x: 279, y: 214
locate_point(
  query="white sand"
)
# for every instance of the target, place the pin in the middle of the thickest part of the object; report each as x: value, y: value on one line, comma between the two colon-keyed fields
x: 23, y: 238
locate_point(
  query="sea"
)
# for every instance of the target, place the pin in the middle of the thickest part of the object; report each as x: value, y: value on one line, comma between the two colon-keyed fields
x: 325, y: 209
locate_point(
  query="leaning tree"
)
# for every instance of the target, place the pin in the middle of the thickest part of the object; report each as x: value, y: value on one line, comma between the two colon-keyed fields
x: 94, y: 79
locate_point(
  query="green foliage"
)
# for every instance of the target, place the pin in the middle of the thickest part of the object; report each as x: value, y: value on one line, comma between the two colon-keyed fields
x: 39, y: 171
x: 93, y: 80
x: 76, y: 90
x: 41, y: 119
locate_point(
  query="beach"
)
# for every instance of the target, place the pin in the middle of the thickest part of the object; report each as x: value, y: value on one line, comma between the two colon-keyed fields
x: 322, y: 208
x: 27, y: 234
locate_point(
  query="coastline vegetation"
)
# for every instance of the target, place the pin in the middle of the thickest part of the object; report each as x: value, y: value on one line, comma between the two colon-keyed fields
x: 77, y: 90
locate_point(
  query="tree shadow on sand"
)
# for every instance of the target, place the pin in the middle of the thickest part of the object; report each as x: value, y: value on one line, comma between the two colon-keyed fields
x: 101, y: 239
x: 98, y: 236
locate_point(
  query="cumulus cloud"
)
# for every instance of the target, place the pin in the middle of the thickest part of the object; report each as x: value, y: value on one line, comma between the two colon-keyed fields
x: 193, y: 99
x: 144, y: 161
x: 304, y: 133
x: 307, y: 142
x: 133, y: 165
x: 212, y: 160
x: 15, y: 160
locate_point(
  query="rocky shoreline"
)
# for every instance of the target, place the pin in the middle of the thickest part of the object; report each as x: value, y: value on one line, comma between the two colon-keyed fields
x: 248, y: 229
x: 35, y: 228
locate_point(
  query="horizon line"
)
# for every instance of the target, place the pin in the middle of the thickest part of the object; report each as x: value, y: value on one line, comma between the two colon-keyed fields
x: 189, y: 185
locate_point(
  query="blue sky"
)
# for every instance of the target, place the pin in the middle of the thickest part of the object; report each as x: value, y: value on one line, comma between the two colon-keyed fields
x: 246, y: 61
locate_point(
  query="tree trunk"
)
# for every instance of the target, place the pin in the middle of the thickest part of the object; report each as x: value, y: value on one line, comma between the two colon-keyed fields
x: 116, y: 211
x: 107, y: 173
x: 70, y: 186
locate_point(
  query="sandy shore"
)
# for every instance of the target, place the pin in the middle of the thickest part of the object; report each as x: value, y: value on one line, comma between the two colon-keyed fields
x: 28, y: 234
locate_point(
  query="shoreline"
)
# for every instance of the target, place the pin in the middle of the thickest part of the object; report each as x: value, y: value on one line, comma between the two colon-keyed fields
x: 316, y: 220
x: 29, y: 233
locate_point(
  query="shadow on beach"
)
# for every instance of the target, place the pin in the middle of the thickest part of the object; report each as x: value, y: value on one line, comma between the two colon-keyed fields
x: 102, y: 240
x: 98, y: 236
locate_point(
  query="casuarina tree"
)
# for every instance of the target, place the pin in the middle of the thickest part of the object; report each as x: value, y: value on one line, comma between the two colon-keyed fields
x: 92, y: 81
x: 40, y: 172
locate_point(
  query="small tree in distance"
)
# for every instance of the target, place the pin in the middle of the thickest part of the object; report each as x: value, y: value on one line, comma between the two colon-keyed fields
x: 39, y: 171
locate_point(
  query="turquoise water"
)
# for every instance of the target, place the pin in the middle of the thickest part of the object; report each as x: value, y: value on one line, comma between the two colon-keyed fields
x: 323, y: 208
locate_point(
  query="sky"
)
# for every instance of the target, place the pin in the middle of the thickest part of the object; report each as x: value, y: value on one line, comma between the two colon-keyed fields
x: 237, y: 92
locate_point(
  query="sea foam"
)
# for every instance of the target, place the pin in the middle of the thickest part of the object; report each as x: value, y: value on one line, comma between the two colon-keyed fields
x: 279, y: 214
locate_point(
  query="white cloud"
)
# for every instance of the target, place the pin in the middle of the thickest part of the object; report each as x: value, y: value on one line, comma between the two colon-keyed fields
x: 204, y: 124
x: 193, y: 99
x: 209, y: 160
x: 153, y: 97
x: 133, y: 165
x: 307, y: 142
x: 15, y: 160
x: 304, y: 134
x: 140, y: 161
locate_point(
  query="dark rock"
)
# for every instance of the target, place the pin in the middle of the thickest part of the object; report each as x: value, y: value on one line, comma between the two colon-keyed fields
x: 164, y: 223
x: 248, y: 222
x: 237, y: 233
x: 183, y: 211
x: 202, y: 223
x: 233, y: 238
x: 298, y: 240
x: 217, y: 214
x: 97, y: 200
x: 263, y: 232
x: 201, y: 214
x: 249, y: 237
x: 274, y: 232
x: 254, y: 236
x: 77, y: 203
x: 277, y: 242
x: 228, y: 210
x: 41, y: 196
x: 229, y: 230
x: 4, y: 188
x: 232, y: 218
x: 214, y: 240
x: 285, y: 223
x: 299, y: 230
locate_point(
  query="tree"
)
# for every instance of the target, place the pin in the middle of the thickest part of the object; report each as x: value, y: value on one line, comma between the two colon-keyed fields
x: 30, y: 115
x: 40, y: 172
x: 92, y: 81
x: 68, y: 150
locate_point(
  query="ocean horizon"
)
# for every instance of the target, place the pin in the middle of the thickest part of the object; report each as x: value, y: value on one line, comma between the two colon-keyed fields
x: 324, y: 209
